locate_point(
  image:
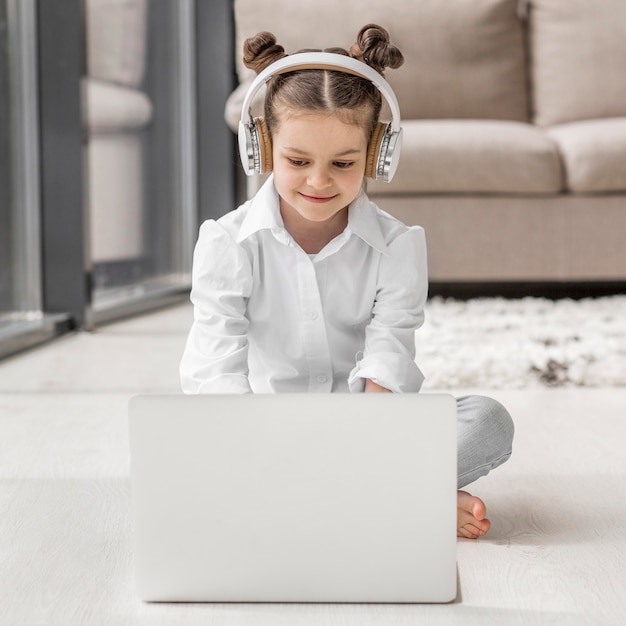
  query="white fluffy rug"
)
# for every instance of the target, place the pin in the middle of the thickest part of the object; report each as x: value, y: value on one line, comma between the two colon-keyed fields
x: 496, y: 343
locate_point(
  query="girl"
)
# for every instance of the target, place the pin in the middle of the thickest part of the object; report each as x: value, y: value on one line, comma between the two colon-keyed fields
x: 311, y: 287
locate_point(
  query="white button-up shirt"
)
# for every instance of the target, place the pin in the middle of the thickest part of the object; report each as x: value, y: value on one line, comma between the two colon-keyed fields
x: 268, y: 317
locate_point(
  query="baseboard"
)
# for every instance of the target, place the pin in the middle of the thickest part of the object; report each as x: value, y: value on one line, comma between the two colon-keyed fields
x: 576, y: 290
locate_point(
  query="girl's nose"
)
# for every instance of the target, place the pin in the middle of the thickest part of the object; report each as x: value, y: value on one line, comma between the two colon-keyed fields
x: 319, y: 178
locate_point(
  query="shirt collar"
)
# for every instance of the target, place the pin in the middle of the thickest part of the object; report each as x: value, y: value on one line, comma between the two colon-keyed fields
x: 363, y: 222
x: 264, y: 213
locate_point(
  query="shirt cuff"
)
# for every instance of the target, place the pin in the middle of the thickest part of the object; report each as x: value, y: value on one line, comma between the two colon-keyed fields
x: 387, y: 369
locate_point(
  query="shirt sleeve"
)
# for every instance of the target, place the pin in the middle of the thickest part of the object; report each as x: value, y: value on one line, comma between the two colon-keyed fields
x: 215, y: 359
x: 388, y: 357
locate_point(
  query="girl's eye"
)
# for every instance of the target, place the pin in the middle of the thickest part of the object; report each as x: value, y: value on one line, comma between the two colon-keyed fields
x: 344, y: 165
x: 297, y: 162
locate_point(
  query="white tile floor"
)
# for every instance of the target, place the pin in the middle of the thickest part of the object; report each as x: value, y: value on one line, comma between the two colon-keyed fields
x: 556, y: 552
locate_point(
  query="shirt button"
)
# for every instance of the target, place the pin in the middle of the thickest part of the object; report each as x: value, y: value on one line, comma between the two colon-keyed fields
x: 313, y: 315
x: 321, y: 378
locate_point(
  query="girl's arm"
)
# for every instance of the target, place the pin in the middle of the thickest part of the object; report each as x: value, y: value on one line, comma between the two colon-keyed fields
x: 388, y: 358
x: 215, y: 359
x: 372, y: 387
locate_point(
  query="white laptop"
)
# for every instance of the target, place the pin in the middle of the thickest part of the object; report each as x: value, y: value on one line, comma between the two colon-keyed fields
x: 294, y: 497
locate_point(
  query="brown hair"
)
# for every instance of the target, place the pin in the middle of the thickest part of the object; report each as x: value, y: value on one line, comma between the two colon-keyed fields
x: 325, y: 90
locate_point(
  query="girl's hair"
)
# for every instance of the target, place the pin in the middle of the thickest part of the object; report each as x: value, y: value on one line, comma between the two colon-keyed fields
x: 329, y: 91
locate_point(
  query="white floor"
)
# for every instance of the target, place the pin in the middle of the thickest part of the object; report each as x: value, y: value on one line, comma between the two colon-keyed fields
x: 556, y: 552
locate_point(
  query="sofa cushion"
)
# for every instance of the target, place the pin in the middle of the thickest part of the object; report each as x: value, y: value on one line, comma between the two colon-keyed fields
x: 463, y: 58
x: 461, y: 156
x: 594, y: 154
x: 578, y: 56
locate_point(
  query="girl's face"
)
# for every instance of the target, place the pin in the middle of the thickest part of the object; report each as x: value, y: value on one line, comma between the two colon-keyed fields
x: 318, y: 164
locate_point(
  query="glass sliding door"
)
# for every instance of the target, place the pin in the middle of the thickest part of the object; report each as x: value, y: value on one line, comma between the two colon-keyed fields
x: 22, y: 321
x: 99, y: 194
x: 140, y: 152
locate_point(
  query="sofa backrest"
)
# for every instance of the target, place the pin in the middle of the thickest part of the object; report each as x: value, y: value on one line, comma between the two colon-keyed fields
x: 463, y: 58
x: 578, y: 59
x: 116, y: 40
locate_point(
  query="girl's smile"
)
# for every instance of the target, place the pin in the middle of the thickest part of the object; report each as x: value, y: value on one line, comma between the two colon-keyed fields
x: 318, y: 199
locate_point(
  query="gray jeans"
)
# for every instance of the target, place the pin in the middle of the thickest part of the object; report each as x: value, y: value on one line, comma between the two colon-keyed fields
x: 484, y: 435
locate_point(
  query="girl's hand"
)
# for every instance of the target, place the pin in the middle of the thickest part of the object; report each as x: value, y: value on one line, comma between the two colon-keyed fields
x: 372, y: 387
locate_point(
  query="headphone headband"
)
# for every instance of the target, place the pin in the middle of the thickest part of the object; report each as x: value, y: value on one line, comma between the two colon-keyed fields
x: 324, y: 61
x: 383, y: 150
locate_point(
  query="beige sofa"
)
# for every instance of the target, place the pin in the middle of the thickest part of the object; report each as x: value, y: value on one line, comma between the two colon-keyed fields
x: 116, y: 112
x: 514, y: 116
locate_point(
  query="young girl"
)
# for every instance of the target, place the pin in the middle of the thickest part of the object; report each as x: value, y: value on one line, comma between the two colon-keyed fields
x: 309, y: 286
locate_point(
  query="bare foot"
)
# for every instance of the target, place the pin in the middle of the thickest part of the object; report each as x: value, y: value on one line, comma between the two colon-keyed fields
x: 471, y: 522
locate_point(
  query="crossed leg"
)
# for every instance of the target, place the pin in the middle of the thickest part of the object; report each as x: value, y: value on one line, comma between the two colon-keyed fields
x: 485, y: 438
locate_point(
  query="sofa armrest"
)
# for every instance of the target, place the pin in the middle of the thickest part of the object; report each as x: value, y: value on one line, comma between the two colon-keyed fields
x: 111, y: 108
x: 232, y: 110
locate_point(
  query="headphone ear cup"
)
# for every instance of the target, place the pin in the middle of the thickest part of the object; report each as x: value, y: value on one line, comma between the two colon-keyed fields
x: 255, y: 146
x: 373, y: 150
x: 264, y: 145
x: 383, y: 152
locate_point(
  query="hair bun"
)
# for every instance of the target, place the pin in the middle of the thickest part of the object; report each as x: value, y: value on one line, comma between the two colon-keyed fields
x: 261, y: 51
x: 374, y: 48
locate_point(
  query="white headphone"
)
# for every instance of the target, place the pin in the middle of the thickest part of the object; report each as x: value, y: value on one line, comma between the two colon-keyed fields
x: 383, y: 151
